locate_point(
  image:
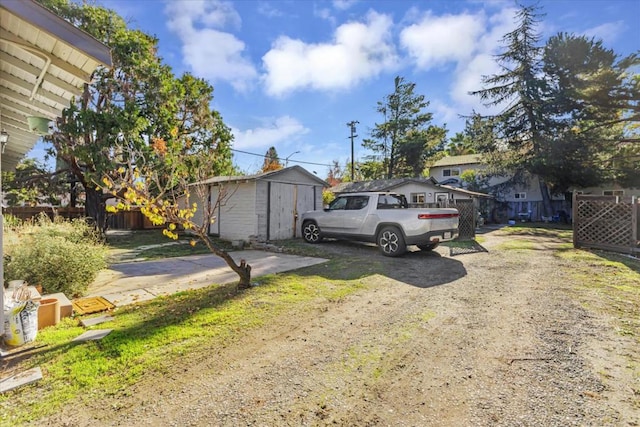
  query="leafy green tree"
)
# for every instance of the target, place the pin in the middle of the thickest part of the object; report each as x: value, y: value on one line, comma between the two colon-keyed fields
x: 137, y: 101
x: 175, y: 195
x: 459, y: 145
x: 370, y: 169
x: 32, y: 184
x: 405, y: 139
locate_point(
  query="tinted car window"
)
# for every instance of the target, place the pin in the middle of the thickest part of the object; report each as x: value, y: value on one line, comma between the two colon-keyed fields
x: 357, y: 202
x: 338, y: 204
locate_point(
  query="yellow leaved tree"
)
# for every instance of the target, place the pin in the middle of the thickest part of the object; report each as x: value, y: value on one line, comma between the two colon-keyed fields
x: 167, y: 181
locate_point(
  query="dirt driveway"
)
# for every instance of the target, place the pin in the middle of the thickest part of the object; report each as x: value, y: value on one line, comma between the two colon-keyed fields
x: 481, y: 339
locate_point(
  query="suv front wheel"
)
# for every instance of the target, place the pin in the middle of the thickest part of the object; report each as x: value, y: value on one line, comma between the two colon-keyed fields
x: 391, y: 242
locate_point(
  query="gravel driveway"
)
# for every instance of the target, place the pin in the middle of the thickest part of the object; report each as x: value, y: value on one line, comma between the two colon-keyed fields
x: 491, y: 338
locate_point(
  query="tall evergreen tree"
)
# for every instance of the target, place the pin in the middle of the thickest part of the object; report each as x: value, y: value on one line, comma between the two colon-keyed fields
x: 520, y: 91
x: 404, y: 140
x: 591, y: 99
x: 271, y: 160
x: 568, y: 110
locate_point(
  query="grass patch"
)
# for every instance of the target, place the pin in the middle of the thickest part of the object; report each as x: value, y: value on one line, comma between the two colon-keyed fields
x: 616, y: 282
x: 149, y: 338
x: 517, y: 245
x: 560, y: 231
x: 464, y: 244
x: 152, y: 244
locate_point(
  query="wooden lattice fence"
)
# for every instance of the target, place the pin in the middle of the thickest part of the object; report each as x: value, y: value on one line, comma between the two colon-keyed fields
x: 468, y: 216
x: 606, y: 222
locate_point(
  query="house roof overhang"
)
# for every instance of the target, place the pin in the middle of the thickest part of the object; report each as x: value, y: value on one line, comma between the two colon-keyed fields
x: 44, y: 62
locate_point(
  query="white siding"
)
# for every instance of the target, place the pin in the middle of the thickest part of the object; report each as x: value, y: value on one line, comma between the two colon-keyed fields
x: 262, y: 209
x: 238, y: 219
x: 531, y: 191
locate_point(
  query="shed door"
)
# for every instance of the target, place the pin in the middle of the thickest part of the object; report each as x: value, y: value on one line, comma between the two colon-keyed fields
x: 286, y: 202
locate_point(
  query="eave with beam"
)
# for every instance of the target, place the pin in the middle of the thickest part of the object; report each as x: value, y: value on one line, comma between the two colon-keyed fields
x: 44, y: 63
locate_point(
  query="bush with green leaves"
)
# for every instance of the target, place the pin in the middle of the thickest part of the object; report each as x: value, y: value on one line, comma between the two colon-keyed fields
x: 60, y: 255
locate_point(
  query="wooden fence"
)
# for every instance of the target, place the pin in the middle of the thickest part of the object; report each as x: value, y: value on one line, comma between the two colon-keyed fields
x: 28, y: 212
x: 606, y: 222
x: 127, y: 220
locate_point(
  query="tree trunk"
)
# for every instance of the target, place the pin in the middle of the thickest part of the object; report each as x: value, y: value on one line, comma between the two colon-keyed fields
x: 94, y: 208
x: 546, y: 199
x: 243, y: 270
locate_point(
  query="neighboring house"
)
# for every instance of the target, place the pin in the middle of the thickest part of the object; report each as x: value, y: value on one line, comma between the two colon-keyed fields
x: 418, y: 191
x: 262, y: 207
x: 449, y: 169
x: 609, y: 190
x: 521, y: 202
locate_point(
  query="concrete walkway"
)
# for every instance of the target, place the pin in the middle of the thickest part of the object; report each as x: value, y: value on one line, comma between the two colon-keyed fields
x: 130, y: 282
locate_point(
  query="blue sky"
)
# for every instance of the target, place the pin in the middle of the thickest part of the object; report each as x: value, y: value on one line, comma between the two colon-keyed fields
x: 292, y: 73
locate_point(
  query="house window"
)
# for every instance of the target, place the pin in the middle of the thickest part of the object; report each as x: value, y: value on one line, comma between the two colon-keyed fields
x: 521, y: 196
x: 451, y: 172
x: 418, y: 198
x: 613, y: 193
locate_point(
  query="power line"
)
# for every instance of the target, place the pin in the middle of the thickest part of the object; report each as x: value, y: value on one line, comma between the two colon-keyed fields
x: 293, y: 161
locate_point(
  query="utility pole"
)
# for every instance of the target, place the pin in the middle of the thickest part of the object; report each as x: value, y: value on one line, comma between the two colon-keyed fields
x: 352, y: 126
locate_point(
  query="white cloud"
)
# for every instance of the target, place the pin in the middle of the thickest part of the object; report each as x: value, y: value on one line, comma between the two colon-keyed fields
x: 444, y: 113
x: 344, y: 4
x: 324, y: 13
x: 471, y: 47
x: 207, y: 51
x: 358, y: 51
x: 469, y: 78
x: 608, y: 32
x: 280, y: 132
x: 437, y: 40
x: 269, y: 10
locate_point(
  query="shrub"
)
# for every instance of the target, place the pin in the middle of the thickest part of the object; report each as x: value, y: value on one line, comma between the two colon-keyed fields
x: 62, y: 256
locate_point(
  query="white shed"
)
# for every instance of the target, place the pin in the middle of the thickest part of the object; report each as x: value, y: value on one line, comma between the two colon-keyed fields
x: 263, y: 207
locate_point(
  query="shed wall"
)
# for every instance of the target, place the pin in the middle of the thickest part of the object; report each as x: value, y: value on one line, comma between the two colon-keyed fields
x: 237, y: 219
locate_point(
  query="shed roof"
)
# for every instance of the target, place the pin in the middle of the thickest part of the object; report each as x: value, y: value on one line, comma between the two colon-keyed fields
x: 45, y: 62
x: 268, y: 176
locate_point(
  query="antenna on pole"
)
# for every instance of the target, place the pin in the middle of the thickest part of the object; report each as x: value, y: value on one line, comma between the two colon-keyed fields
x: 352, y: 126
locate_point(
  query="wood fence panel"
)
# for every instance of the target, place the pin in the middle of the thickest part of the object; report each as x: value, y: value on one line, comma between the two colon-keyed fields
x: 28, y: 212
x: 606, y: 222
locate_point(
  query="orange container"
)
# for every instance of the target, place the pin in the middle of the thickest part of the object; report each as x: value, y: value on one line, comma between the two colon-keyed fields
x: 48, y: 313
